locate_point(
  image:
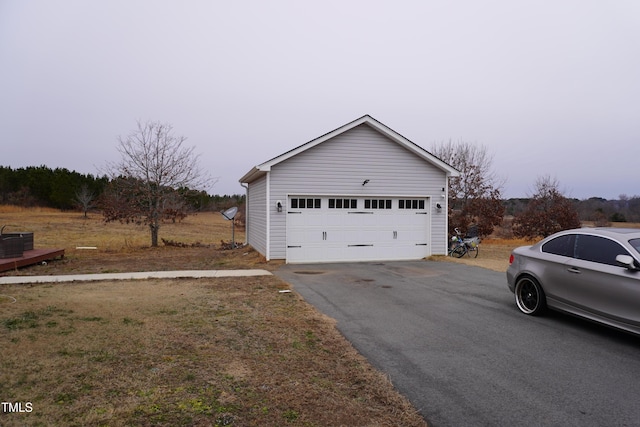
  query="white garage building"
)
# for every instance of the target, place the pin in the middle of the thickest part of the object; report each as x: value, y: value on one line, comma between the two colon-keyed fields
x: 362, y: 192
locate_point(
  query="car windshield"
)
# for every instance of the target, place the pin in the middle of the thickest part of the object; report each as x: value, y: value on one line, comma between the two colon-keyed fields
x: 636, y: 244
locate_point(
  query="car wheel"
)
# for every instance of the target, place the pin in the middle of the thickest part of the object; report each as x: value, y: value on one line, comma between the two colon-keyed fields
x: 530, y: 297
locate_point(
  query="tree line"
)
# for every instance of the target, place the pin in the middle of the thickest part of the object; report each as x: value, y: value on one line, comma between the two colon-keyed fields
x: 593, y: 209
x: 60, y: 188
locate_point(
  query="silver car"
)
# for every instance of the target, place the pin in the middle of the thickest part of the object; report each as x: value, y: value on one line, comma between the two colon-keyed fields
x: 589, y: 272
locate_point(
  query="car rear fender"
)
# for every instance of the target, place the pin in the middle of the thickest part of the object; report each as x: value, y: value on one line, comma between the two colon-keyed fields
x: 529, y: 275
x: 514, y: 275
x: 526, y: 263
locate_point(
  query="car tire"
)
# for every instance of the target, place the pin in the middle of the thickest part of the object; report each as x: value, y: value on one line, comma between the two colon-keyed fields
x: 530, y: 297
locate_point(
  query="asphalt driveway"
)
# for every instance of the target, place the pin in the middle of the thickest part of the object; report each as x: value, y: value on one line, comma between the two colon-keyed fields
x: 452, y: 341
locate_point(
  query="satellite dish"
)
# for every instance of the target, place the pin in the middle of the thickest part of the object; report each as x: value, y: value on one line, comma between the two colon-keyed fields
x: 230, y: 213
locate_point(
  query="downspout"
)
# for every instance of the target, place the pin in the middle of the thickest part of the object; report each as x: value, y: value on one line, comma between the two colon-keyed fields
x: 446, y: 214
x: 246, y: 212
x: 268, y: 230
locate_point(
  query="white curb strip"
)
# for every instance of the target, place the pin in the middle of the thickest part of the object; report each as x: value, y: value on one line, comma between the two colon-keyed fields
x: 133, y: 276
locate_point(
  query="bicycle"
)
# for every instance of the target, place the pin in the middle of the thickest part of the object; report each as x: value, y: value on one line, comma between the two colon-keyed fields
x: 461, y: 246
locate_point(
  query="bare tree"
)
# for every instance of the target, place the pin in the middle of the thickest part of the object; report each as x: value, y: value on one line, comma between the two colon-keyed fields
x: 474, y: 196
x: 85, y: 198
x: 548, y: 211
x: 154, y: 165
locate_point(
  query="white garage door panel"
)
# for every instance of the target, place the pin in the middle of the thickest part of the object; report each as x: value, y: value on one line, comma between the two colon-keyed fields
x: 327, y: 235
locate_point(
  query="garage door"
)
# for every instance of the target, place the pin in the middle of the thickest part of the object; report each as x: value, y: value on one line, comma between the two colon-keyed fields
x: 343, y: 228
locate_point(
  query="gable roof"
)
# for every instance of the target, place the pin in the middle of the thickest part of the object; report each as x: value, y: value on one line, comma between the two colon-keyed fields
x: 263, y: 168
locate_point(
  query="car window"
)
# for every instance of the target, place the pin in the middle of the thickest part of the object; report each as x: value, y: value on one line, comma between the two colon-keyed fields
x: 598, y: 249
x: 562, y: 245
x: 636, y: 244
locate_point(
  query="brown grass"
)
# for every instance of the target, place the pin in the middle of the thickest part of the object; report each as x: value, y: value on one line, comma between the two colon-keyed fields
x: 184, y: 352
x: 215, y: 352
x: 126, y: 247
x: 71, y: 229
x: 494, y: 254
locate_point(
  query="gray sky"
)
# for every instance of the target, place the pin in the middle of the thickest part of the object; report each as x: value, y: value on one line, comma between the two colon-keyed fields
x: 550, y: 87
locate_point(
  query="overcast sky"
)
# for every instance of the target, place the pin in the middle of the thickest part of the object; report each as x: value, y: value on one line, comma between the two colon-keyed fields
x: 549, y: 87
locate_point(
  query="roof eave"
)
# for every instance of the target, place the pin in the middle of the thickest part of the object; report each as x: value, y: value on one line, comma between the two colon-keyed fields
x: 255, y: 173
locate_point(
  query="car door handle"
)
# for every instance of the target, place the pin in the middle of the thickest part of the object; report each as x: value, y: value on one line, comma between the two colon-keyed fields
x: 574, y: 270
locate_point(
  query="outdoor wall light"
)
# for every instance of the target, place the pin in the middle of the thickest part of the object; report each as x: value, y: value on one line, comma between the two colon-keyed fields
x: 438, y: 206
x: 279, y: 206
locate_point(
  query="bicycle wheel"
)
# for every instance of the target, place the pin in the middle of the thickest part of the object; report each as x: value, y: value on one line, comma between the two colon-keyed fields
x: 473, y: 252
x: 459, y: 251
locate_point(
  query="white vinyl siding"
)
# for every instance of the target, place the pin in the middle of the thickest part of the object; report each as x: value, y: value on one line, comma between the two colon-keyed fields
x: 257, y: 215
x: 339, y: 166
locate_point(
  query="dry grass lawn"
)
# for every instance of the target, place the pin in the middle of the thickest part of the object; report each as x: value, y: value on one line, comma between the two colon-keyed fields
x: 126, y: 247
x: 222, y: 352
x: 493, y: 254
x: 210, y: 352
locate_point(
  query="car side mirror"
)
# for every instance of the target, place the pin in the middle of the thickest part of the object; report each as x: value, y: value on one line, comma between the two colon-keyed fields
x: 627, y: 262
